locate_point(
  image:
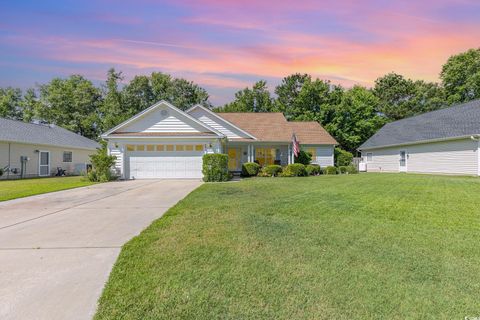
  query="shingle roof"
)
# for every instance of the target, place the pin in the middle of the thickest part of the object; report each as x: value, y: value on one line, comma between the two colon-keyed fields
x: 18, y: 131
x: 457, y: 121
x: 268, y: 126
x: 273, y: 127
x: 311, y: 132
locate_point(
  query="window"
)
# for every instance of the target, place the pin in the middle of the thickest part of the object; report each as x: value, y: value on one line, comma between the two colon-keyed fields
x: 160, y: 147
x: 369, y: 157
x: 180, y: 147
x: 313, y: 152
x: 150, y: 147
x: 265, y: 156
x: 67, y: 156
x: 199, y: 147
x: 169, y: 147
x: 189, y: 147
x: 130, y: 147
x: 140, y: 147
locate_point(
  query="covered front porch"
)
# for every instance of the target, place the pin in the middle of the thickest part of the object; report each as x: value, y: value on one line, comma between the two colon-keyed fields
x: 264, y: 153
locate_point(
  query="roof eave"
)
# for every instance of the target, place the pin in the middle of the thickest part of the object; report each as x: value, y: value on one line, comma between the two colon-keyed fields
x: 417, y: 142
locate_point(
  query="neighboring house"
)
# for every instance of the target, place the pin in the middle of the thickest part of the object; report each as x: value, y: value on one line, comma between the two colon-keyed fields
x: 165, y: 142
x: 443, y: 141
x: 31, y: 150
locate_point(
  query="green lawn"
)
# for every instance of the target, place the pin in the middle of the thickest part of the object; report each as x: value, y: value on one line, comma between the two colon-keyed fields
x: 12, y: 189
x: 384, y: 246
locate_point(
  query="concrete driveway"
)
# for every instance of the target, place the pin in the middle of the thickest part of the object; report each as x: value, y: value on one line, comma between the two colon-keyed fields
x: 57, y: 250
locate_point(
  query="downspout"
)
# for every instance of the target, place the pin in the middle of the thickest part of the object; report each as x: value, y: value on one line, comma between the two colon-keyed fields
x: 9, y: 154
x: 477, y: 138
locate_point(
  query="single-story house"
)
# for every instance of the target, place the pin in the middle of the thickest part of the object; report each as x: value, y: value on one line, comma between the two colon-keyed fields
x: 165, y: 142
x: 444, y: 141
x: 32, y: 150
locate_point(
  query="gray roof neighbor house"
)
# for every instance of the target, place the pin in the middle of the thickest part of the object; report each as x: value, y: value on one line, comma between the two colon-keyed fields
x: 461, y: 120
x: 43, y: 134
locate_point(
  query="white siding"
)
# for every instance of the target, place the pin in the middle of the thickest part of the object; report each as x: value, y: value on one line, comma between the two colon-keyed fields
x: 324, y: 156
x: 448, y: 157
x: 217, y: 124
x: 154, y: 121
x: 117, y: 152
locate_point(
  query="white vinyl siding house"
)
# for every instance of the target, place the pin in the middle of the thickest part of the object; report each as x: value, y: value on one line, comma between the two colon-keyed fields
x: 445, y: 141
x: 164, y: 142
x: 323, y: 155
x: 445, y: 157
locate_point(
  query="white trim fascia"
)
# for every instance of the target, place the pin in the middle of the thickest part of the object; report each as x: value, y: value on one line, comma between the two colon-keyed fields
x: 219, y: 117
x: 418, y: 142
x: 149, y: 109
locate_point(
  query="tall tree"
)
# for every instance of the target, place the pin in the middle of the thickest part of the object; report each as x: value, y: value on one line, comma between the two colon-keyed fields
x: 301, y: 98
x: 112, y: 109
x: 31, y: 106
x: 143, y: 91
x: 256, y: 99
x: 72, y: 103
x: 11, y: 103
x: 461, y: 76
x: 356, y: 118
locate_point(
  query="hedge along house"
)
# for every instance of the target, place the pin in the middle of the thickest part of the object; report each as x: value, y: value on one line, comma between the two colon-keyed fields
x: 165, y: 142
x: 37, y: 150
x: 445, y: 141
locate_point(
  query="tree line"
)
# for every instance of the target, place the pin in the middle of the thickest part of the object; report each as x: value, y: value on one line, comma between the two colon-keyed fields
x: 351, y: 115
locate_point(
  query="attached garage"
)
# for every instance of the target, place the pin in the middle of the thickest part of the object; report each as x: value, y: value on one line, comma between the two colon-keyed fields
x: 164, y: 161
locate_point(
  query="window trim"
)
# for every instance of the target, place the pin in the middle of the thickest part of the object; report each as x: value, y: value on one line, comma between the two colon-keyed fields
x: 71, y: 156
x: 369, y: 154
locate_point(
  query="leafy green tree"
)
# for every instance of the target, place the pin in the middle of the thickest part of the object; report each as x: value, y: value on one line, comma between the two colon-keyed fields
x: 256, y: 99
x: 112, y: 109
x: 395, y: 94
x: 11, y: 103
x: 400, y: 97
x: 301, y: 98
x: 73, y: 104
x: 356, y: 118
x: 461, y: 76
x: 144, y: 91
x: 31, y: 105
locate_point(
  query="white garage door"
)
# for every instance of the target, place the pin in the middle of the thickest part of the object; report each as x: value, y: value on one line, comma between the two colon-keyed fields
x: 173, y: 164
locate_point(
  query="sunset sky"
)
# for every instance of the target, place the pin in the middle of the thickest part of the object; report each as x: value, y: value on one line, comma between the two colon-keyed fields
x: 227, y: 45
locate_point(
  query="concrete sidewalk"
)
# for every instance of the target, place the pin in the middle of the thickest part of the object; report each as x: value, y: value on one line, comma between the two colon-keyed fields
x: 57, y: 249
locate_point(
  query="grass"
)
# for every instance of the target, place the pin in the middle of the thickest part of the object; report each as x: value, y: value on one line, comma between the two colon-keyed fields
x: 13, y: 189
x: 384, y: 246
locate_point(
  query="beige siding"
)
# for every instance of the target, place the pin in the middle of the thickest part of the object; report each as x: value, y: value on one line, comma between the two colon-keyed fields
x: 79, y: 157
x: 447, y: 157
x: 217, y: 124
x: 155, y: 121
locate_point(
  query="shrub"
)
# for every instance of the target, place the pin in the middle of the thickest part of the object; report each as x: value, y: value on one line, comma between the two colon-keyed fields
x: 294, y: 170
x: 303, y: 157
x: 342, y: 169
x: 330, y: 170
x: 102, y: 165
x: 270, y: 171
x: 1, y: 172
x: 342, y: 157
x: 215, y: 167
x: 250, y: 169
x: 351, y: 169
x: 313, y: 169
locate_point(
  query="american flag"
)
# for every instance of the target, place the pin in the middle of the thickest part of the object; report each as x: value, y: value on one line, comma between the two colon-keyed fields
x: 296, y: 145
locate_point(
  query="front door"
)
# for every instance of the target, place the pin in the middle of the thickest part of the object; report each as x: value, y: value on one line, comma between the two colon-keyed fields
x: 44, y: 163
x: 234, y: 155
x: 403, y: 161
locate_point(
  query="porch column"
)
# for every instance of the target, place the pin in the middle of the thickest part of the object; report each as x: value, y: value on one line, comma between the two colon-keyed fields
x: 249, y: 153
x: 289, y: 157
